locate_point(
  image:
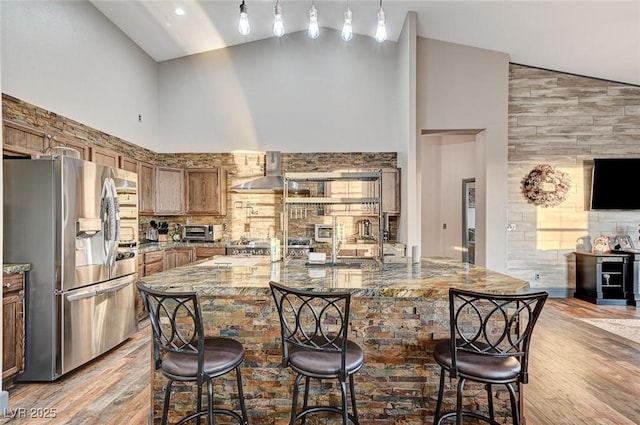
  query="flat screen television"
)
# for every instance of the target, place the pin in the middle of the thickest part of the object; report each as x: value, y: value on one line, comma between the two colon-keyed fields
x: 613, y: 185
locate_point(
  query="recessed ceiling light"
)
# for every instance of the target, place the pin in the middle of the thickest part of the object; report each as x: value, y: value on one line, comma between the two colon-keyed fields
x: 179, y: 11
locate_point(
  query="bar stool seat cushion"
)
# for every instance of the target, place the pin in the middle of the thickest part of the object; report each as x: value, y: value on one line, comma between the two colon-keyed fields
x: 471, y: 365
x: 220, y: 355
x: 326, y: 363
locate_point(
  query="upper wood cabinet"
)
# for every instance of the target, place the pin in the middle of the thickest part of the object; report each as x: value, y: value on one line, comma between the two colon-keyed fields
x: 391, y: 190
x: 21, y: 140
x: 146, y: 188
x: 105, y: 157
x: 206, y: 191
x: 69, y: 148
x: 128, y: 164
x: 169, y: 191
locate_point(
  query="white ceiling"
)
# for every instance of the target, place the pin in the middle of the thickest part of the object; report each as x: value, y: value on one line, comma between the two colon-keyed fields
x: 593, y: 38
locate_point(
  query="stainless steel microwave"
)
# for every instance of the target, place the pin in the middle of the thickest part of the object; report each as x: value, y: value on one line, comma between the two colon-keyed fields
x: 202, y: 232
x: 324, y: 233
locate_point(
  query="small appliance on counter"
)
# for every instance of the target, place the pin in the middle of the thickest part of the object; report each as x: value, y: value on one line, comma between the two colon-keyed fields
x: 202, y: 232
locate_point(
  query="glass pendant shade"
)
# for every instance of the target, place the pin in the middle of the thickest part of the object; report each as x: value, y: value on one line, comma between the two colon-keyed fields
x: 243, y: 23
x: 278, y: 23
x: 314, y: 30
x: 347, y: 28
x: 381, y: 30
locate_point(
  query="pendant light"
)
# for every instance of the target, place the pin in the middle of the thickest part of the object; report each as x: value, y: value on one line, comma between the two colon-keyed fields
x: 381, y: 30
x: 243, y: 23
x: 314, y: 30
x: 347, y: 28
x: 278, y: 23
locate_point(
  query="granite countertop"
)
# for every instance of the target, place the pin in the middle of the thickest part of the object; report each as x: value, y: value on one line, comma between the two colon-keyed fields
x: 154, y: 246
x: 15, y: 268
x: 239, y: 275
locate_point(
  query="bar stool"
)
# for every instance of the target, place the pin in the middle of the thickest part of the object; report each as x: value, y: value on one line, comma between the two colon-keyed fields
x: 314, y: 329
x: 183, y: 353
x: 489, y: 344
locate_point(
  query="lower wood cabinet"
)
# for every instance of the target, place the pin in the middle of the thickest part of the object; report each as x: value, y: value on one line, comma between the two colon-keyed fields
x: 176, y: 257
x: 203, y: 252
x: 13, y: 327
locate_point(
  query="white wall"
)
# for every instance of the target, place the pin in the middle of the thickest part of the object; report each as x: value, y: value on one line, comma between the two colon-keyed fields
x: 409, y: 224
x: 446, y: 161
x: 292, y: 94
x: 461, y: 87
x: 66, y: 57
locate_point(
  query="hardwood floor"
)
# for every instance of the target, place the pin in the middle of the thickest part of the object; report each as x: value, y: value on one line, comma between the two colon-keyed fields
x: 579, y: 374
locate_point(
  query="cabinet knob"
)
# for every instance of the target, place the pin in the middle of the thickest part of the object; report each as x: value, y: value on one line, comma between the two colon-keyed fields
x: 7, y: 285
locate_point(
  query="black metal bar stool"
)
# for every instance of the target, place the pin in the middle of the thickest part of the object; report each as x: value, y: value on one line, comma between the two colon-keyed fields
x: 183, y: 353
x: 489, y: 344
x: 315, y: 344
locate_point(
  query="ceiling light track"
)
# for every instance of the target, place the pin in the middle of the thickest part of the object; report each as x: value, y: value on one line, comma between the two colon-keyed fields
x: 313, y: 30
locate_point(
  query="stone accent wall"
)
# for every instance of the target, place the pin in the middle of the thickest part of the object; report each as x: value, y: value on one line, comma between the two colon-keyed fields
x: 248, y: 214
x: 564, y: 120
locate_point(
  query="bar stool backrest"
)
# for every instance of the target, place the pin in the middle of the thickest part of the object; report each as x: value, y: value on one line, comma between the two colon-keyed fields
x: 311, y: 320
x: 176, y: 322
x: 493, y: 325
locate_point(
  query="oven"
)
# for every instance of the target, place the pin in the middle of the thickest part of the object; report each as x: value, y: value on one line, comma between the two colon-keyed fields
x: 298, y: 247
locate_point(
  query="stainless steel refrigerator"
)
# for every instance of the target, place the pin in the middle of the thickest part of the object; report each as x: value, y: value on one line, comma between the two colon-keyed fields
x: 76, y: 223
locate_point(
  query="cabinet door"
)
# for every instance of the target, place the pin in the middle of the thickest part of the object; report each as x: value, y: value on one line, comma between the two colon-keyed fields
x: 76, y: 148
x: 20, y: 138
x: 206, y: 191
x: 391, y: 190
x: 104, y: 157
x: 128, y: 164
x: 183, y: 256
x: 12, y: 325
x: 209, y: 251
x: 169, y: 259
x: 146, y: 188
x: 169, y: 191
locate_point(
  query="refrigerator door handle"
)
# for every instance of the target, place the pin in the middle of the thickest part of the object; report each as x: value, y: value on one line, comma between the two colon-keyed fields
x: 111, y: 288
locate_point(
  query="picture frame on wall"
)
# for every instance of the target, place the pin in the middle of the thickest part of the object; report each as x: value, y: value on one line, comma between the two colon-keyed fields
x: 623, y: 242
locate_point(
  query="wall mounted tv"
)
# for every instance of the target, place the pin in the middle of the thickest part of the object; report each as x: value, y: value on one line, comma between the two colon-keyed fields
x: 612, y: 183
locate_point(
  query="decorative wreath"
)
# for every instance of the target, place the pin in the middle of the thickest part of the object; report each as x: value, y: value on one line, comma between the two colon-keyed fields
x: 545, y: 186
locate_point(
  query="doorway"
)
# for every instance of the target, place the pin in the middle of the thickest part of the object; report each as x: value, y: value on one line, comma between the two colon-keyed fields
x: 468, y: 220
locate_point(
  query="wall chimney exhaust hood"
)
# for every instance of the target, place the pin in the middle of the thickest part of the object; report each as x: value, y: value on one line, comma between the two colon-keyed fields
x: 272, y: 182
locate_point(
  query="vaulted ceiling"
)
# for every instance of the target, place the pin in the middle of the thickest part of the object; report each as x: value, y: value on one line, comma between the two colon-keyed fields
x: 593, y: 38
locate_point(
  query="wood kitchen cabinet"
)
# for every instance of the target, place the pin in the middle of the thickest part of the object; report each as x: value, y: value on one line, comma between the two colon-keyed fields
x: 203, y: 252
x: 104, y: 157
x: 153, y: 262
x: 146, y: 188
x: 206, y: 191
x: 13, y: 327
x: 390, y: 186
x: 22, y: 140
x: 169, y: 191
x: 177, y: 257
x: 128, y: 164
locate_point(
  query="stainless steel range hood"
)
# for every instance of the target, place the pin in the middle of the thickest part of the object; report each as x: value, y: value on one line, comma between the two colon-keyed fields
x: 272, y: 182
